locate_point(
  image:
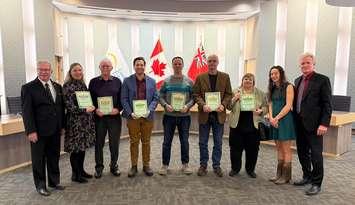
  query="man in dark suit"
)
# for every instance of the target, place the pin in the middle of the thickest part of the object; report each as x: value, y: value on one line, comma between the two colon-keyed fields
x: 43, y: 117
x: 313, y: 112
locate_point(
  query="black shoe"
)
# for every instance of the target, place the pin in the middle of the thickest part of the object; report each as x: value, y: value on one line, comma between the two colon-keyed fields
x: 233, y: 173
x: 251, y: 174
x: 314, y: 190
x: 43, y: 192
x: 115, y: 172
x: 79, y: 179
x: 148, y: 171
x: 202, y: 171
x: 86, y: 175
x: 133, y: 171
x: 98, y: 174
x: 302, y: 182
x: 218, y: 171
x: 57, y: 187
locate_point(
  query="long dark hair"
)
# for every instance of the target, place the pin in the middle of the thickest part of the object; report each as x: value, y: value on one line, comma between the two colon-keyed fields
x: 283, y: 81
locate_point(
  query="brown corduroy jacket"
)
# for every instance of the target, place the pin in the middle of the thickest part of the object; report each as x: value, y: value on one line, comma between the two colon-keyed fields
x: 202, y: 85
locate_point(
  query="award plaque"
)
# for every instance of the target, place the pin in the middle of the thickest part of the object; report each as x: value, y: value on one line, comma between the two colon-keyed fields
x: 84, y: 99
x: 247, y: 102
x: 140, y: 107
x: 105, y: 104
x: 178, y: 101
x: 213, y: 100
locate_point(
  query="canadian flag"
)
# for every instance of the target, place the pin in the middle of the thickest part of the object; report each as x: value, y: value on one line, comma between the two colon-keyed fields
x: 158, y: 68
x: 199, y: 64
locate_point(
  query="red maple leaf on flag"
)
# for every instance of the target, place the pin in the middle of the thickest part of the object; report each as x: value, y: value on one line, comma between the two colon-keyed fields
x: 158, y: 68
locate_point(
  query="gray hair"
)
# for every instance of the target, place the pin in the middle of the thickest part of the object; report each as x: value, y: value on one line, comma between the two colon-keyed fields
x: 107, y: 60
x: 213, y: 56
x: 44, y: 62
x: 308, y: 54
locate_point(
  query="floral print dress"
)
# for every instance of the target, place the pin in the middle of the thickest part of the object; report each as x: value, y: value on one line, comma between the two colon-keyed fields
x: 80, y: 125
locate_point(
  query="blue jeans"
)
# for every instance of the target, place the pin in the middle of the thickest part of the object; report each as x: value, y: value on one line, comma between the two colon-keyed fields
x: 183, y: 125
x: 204, y: 131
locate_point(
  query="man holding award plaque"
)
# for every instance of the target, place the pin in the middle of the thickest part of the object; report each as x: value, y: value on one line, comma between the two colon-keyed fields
x: 212, y: 92
x: 176, y: 98
x: 139, y: 100
x: 105, y: 91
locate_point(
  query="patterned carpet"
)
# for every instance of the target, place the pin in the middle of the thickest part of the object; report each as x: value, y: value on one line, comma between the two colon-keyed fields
x: 339, y: 183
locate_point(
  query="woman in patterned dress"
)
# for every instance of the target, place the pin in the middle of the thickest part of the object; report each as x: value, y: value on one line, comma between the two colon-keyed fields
x: 280, y: 97
x: 80, y: 127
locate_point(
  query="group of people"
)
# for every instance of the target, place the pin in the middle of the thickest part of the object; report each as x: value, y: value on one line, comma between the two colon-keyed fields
x: 301, y: 111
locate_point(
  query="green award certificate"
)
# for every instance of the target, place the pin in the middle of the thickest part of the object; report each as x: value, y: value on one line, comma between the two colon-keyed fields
x: 247, y: 102
x: 213, y: 100
x: 140, y: 107
x: 105, y: 104
x: 178, y: 101
x: 84, y: 99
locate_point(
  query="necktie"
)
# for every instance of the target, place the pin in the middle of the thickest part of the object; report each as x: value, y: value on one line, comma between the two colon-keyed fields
x: 300, y: 95
x: 48, y: 91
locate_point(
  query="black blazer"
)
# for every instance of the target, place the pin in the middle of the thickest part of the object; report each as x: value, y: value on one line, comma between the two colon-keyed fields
x: 40, y: 114
x: 316, y: 107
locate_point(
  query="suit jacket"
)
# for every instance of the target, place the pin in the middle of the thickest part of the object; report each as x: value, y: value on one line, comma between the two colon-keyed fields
x: 316, y: 107
x: 40, y: 114
x: 129, y: 93
x: 202, y: 85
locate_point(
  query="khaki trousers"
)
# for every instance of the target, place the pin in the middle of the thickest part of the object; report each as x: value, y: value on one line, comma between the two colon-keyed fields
x: 140, y: 130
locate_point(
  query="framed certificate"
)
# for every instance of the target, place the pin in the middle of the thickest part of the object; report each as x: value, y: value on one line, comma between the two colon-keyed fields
x: 84, y: 99
x: 140, y: 107
x: 105, y: 104
x: 178, y: 100
x: 213, y: 99
x: 247, y: 102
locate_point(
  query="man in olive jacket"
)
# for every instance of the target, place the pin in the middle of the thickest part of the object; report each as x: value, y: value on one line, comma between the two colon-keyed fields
x: 212, y: 81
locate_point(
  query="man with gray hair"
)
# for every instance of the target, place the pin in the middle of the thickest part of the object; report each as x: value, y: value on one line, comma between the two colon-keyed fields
x: 313, y: 112
x: 105, y: 90
x: 43, y: 118
x: 217, y: 83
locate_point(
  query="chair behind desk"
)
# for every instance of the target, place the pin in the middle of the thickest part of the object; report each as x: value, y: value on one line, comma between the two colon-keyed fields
x: 14, y: 104
x: 341, y: 103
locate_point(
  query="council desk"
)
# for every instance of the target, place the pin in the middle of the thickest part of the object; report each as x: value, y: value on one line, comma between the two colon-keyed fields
x: 15, y: 149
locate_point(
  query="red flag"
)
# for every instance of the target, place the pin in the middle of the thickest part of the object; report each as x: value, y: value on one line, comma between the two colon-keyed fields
x: 158, y: 69
x: 157, y: 49
x: 199, y: 64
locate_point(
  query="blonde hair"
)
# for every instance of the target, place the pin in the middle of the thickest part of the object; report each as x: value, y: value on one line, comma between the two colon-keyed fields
x: 248, y: 75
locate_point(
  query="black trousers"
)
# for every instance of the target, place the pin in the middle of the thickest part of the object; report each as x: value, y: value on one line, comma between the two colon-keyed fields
x: 239, y: 141
x: 77, y: 163
x: 112, y: 126
x: 45, y: 153
x: 309, y: 150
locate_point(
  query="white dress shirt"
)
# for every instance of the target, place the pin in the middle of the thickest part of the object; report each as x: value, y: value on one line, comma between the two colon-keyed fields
x: 51, y: 87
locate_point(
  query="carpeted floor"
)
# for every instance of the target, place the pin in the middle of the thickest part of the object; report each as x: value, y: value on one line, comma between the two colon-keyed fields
x: 339, y: 183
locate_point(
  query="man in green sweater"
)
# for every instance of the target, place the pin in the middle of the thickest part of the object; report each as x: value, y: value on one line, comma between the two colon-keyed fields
x: 176, y: 98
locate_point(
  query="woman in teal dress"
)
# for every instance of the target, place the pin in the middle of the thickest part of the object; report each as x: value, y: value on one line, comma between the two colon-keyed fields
x: 280, y: 97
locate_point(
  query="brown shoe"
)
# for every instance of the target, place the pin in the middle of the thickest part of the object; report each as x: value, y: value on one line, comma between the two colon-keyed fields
x: 202, y: 171
x: 218, y: 171
x: 286, y: 174
x: 278, y: 171
x: 148, y: 171
x: 133, y: 171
